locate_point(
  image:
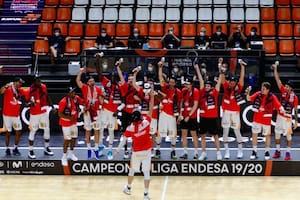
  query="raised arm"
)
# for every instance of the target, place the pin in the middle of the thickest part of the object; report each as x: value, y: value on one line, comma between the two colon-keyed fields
x: 218, y: 85
x: 78, y: 78
x: 135, y: 72
x: 151, y: 103
x: 98, y: 67
x: 120, y: 74
x: 242, y: 73
x: 160, y: 73
x: 276, y: 76
x: 200, y: 78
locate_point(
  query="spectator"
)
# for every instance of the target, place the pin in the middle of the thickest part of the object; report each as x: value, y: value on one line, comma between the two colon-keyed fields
x: 104, y: 41
x: 202, y: 41
x: 219, y: 36
x: 169, y: 40
x: 237, y: 38
x: 150, y: 72
x: 135, y: 40
x: 57, y: 44
x: 253, y: 36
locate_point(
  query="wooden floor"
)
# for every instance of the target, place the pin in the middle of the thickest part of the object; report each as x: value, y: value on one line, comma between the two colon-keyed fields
x: 162, y: 188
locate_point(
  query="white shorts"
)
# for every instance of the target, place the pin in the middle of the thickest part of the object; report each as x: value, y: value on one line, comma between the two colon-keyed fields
x: 261, y: 128
x: 88, y: 124
x: 70, y: 132
x: 283, y: 125
x: 141, y: 157
x: 107, y: 120
x: 231, y: 119
x: 167, y: 125
x: 12, y: 122
x: 153, y: 126
x: 39, y: 121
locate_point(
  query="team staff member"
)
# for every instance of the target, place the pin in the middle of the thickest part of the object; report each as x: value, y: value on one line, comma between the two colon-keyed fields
x: 92, y: 96
x: 170, y: 105
x: 264, y: 102
x: 188, y: 117
x: 289, y: 101
x: 39, y: 117
x: 12, y: 101
x: 232, y: 99
x: 139, y: 131
x: 68, y: 110
x: 208, y: 104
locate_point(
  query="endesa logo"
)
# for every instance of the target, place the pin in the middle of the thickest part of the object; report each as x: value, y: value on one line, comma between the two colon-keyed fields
x: 42, y: 164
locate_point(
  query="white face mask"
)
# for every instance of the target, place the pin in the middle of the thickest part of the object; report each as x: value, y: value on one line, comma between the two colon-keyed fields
x: 252, y: 33
x: 56, y: 34
x: 218, y: 32
x: 150, y: 69
x: 104, y: 66
x: 203, y: 71
x: 175, y: 69
x: 103, y: 34
x: 135, y: 34
x: 202, y: 33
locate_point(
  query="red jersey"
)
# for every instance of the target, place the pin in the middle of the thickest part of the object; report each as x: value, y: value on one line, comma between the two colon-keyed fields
x: 188, y: 98
x: 208, y: 103
x: 263, y: 106
x: 288, y: 101
x: 145, y: 104
x: 112, y: 97
x: 91, y: 96
x: 39, y: 95
x: 171, y: 101
x: 12, y: 101
x: 232, y: 97
x: 69, y: 107
x: 140, y: 134
x: 128, y: 92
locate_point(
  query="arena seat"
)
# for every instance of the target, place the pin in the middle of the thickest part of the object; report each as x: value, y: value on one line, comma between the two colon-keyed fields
x: 189, y: 15
x: 172, y: 15
x: 252, y: 15
x: 127, y: 3
x: 295, y: 3
x: 142, y: 14
x: 188, y: 43
x: 155, y: 44
x: 63, y: 27
x: 122, y: 30
x: 63, y: 14
x: 268, y: 30
x: 41, y: 47
x: 110, y: 15
x: 173, y: 3
x: 88, y: 44
x: 72, y: 47
x: 237, y: 15
x: 97, y: 3
x: 286, y: 48
x: 143, y: 3
x: 190, y: 3
x: 296, y: 31
x: 157, y: 15
x: 282, y: 2
x: 285, y: 30
x: 44, y: 29
x: 95, y: 15
x: 110, y: 28
x: 208, y: 28
x: 267, y: 14
x: 270, y: 47
x: 81, y: 3
x: 236, y: 3
x: 266, y: 3
x: 156, y: 30
x: 143, y: 28
x: 92, y: 30
x: 205, y: 15
x: 188, y: 30
x: 250, y: 25
x: 49, y: 14
x: 220, y: 3
x: 296, y: 14
x: 66, y: 3
x: 78, y: 14
x: 125, y: 15
x: 251, y: 3
x: 297, y: 47
x: 175, y: 27
x: 159, y: 3
x: 112, y: 3
x: 76, y: 30
x: 51, y: 3
x: 220, y: 15
x: 283, y: 14
x: 205, y: 3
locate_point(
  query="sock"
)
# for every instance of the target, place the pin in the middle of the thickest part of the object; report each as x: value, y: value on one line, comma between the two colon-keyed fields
x: 46, y: 144
x: 195, y: 151
x: 146, y: 191
x: 30, y: 148
x: 158, y: 147
x: 15, y: 146
x: 278, y: 147
x: 129, y: 186
x: 96, y: 146
x: 240, y: 146
x: 288, y: 149
x: 88, y: 146
x: 185, y: 150
x: 173, y: 148
x: 255, y: 148
x: 226, y: 146
x: 64, y: 155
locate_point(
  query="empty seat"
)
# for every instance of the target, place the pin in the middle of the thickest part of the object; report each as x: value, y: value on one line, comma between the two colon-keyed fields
x: 125, y: 14
x: 175, y: 28
x: 95, y: 15
x: 173, y: 3
x: 142, y: 3
x: 297, y: 47
x: 110, y: 28
x: 81, y: 3
x: 49, y: 14
x: 122, y: 30
x: 68, y: 3
x: 204, y: 15
x: 220, y: 15
x: 75, y: 30
x: 156, y: 30
x: 187, y: 43
x: 78, y: 14
x: 251, y: 3
x: 267, y: 14
x: 250, y: 25
x: 236, y: 3
x: 296, y: 14
x: 270, y: 47
x: 207, y: 26
x: 86, y: 44
x: 266, y: 3
x: 283, y: 2
x: 284, y: 14
x: 172, y: 15
x: 92, y: 31
x: 205, y: 3
x: 158, y: 3
x: 189, y: 15
x: 157, y: 14
x: 237, y: 15
x: 268, y: 30
x: 72, y: 47
x: 44, y: 29
x: 155, y: 44
x: 51, y: 3
x: 97, y: 3
x: 252, y: 15
x: 285, y: 30
x: 219, y: 3
x: 295, y: 2
x: 143, y: 28
x: 286, y: 47
x: 63, y: 14
x: 127, y: 3
x: 188, y: 30
x: 142, y: 15
x: 62, y: 26
x: 296, y: 31
x: 110, y: 15
x: 190, y: 3
x: 41, y: 47
x: 112, y: 3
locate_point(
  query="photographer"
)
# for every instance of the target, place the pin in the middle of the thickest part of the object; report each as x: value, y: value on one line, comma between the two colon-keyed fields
x: 237, y: 38
x: 170, y: 40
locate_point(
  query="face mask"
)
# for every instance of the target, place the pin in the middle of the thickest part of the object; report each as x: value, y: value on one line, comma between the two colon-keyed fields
x: 218, y: 32
x: 252, y: 33
x: 202, y: 33
x: 175, y: 69
x: 104, y: 66
x: 150, y: 69
x: 103, y: 34
x: 56, y: 34
x: 135, y: 34
x: 203, y: 70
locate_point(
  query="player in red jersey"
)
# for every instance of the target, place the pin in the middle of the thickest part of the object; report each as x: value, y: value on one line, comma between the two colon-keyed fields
x: 39, y: 115
x: 92, y: 96
x: 68, y: 111
x: 188, y: 116
x: 264, y: 103
x: 232, y: 99
x: 139, y: 131
x: 208, y: 104
x: 289, y: 101
x: 12, y: 101
x: 170, y: 107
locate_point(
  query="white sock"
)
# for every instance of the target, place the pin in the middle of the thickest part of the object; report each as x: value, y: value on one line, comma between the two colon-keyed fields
x: 226, y: 146
x: 278, y: 147
x: 288, y: 149
x: 88, y: 146
x: 240, y: 146
x: 30, y: 148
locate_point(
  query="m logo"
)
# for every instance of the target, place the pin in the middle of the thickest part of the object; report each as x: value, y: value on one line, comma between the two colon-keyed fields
x: 17, y: 164
x: 1, y: 164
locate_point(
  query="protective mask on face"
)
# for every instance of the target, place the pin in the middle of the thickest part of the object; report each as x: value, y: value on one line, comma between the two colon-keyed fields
x: 150, y: 69
x: 202, y: 33
x: 252, y: 33
x: 175, y: 69
x: 218, y: 32
x: 203, y: 71
x: 135, y: 34
x: 103, y: 34
x: 104, y: 66
x: 56, y: 34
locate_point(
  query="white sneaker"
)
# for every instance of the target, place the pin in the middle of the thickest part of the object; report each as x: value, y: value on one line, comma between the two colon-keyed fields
x: 227, y: 154
x: 203, y: 156
x: 73, y: 157
x: 240, y: 154
x: 219, y: 155
x: 64, y: 161
x: 126, y: 190
x: 146, y: 196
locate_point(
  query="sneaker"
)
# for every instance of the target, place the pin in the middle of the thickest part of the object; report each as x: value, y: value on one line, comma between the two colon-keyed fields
x: 195, y: 156
x: 146, y: 196
x: 73, y: 157
x: 31, y: 154
x: 89, y: 154
x: 240, y: 154
x: 16, y: 152
x: 253, y: 155
x: 287, y: 156
x: 267, y: 155
x: 126, y: 154
x: 48, y: 152
x: 110, y: 155
x: 203, y: 156
x: 8, y: 153
x: 64, y: 161
x: 157, y: 154
x: 173, y: 155
x: 227, y: 154
x: 219, y: 155
x: 97, y: 154
x: 127, y: 190
x: 184, y: 156
x: 276, y: 154
x: 101, y: 150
